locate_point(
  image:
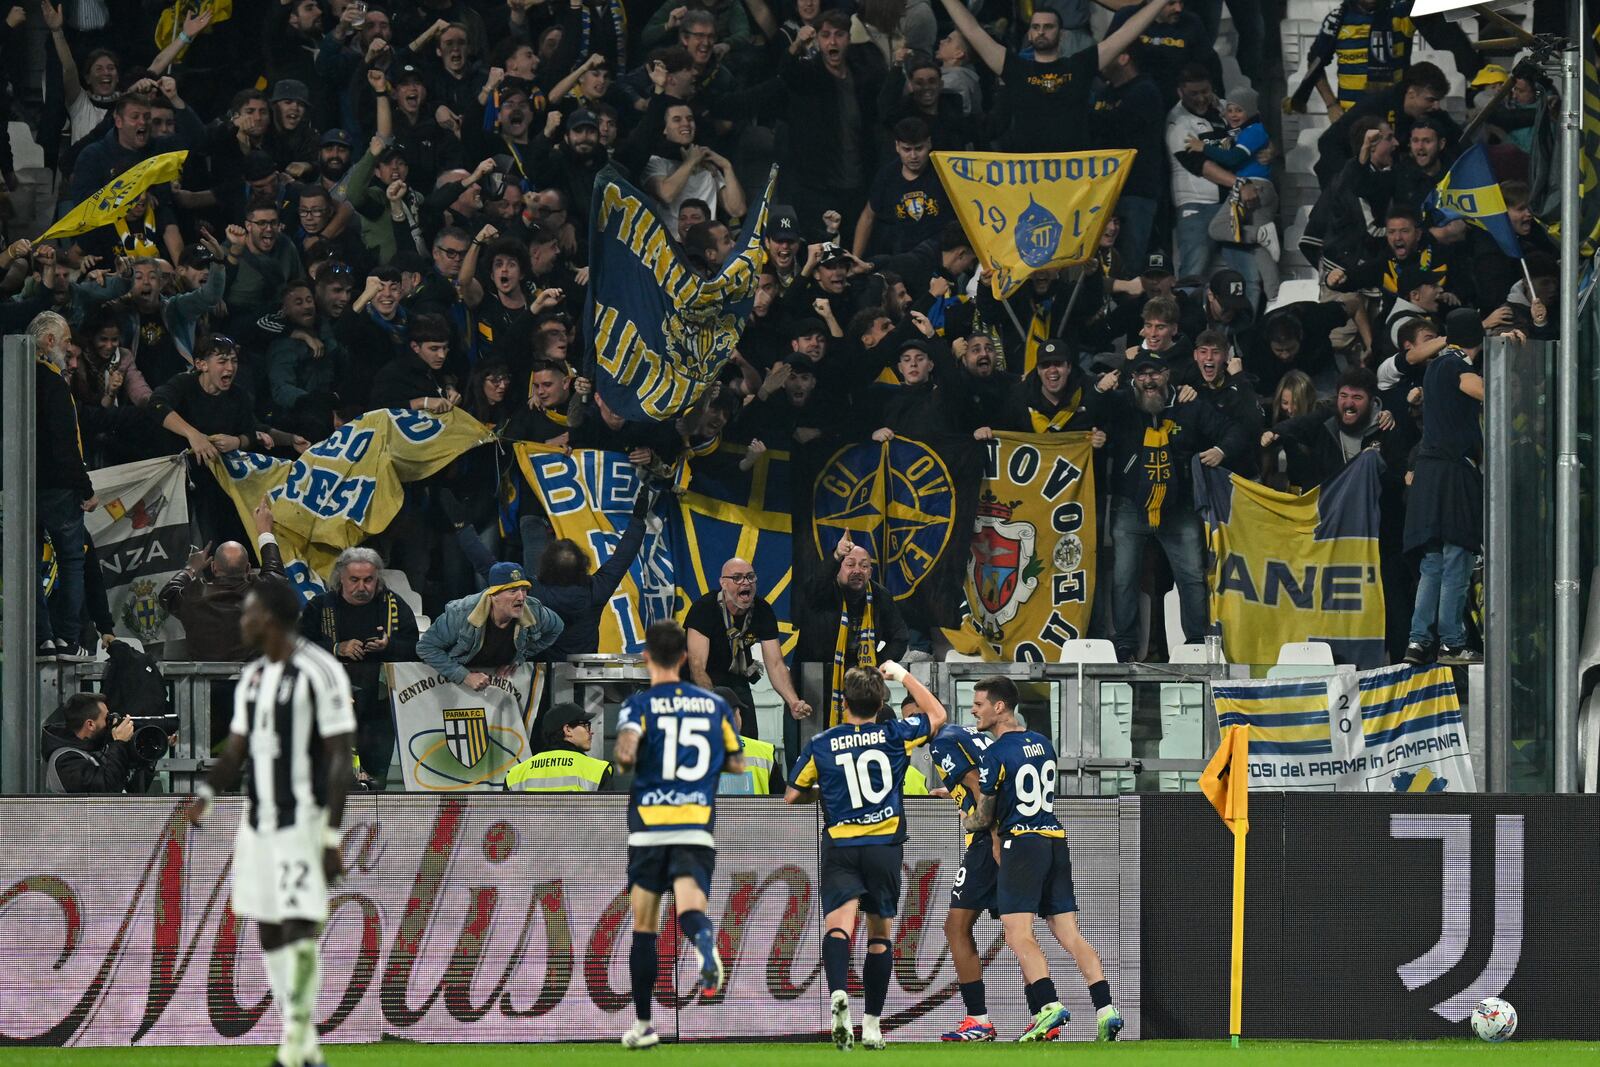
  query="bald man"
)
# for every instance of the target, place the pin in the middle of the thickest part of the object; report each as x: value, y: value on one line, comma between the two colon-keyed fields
x: 208, y: 595
x: 725, y: 627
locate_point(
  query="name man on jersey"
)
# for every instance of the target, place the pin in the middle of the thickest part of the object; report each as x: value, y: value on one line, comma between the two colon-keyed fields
x: 857, y: 769
x: 678, y: 739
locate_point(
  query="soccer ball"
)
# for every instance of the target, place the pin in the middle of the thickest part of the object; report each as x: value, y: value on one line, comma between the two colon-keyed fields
x: 1494, y: 1019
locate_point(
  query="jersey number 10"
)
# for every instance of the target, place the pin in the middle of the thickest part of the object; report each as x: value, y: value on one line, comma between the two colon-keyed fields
x: 861, y: 773
x: 690, y: 735
x: 1036, y: 789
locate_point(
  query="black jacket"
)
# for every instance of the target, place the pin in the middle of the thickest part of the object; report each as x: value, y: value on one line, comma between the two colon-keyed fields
x: 402, y: 380
x: 582, y: 606
x: 1137, y: 468
x: 86, y: 766
x: 821, y: 599
x: 58, y: 451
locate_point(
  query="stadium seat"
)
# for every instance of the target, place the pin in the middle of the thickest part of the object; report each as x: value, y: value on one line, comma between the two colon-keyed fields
x: 1306, y: 653
x: 1189, y: 652
x: 398, y: 584
x: 1090, y: 650
x: 952, y: 656
x: 1183, y: 706
x: 1116, y: 733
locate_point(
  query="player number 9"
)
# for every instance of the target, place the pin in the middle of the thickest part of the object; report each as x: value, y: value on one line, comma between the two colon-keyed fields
x: 1036, y: 789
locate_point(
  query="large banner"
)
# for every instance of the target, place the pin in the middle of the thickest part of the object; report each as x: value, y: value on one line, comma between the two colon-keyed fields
x: 588, y: 496
x: 725, y: 512
x: 453, y: 739
x: 346, y: 488
x: 659, y: 330
x: 1030, y: 578
x: 1031, y: 213
x: 110, y: 203
x: 497, y: 919
x: 1397, y: 729
x: 141, y: 536
x: 1295, y: 568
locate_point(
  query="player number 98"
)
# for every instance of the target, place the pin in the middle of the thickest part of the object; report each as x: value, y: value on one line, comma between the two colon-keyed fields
x: 1036, y: 789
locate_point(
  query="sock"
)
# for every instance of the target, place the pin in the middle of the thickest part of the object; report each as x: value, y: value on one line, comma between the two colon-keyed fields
x: 643, y: 963
x: 306, y: 987
x: 1040, y: 993
x: 280, y: 967
x: 697, y: 930
x: 1100, y: 993
x: 972, y: 996
x: 875, y: 975
x: 836, y: 959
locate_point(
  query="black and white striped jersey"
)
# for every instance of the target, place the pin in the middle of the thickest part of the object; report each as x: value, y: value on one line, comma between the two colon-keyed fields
x: 285, y: 711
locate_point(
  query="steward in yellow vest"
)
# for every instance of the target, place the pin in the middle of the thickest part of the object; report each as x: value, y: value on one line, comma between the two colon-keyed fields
x: 564, y: 766
x: 761, y: 775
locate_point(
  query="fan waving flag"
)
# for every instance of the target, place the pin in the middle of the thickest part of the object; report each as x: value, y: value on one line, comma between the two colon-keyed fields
x: 111, y: 203
x: 1470, y: 191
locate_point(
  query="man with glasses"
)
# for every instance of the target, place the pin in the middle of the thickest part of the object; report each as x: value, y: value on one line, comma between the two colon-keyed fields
x: 725, y: 627
x: 315, y: 210
x: 262, y: 264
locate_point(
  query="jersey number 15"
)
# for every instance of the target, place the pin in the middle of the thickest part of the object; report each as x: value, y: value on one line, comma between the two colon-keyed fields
x: 686, y: 757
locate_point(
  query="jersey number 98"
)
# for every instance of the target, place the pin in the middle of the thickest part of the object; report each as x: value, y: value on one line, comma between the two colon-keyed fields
x: 1036, y: 789
x: 867, y: 775
x: 686, y: 757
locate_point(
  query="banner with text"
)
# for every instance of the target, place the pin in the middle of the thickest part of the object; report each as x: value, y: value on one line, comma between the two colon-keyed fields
x: 141, y: 536
x: 454, y: 739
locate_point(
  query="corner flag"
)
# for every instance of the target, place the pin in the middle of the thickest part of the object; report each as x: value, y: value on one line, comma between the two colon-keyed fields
x: 1226, y: 783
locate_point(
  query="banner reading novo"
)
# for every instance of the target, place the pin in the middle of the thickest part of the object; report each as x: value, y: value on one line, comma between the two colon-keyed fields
x: 469, y: 920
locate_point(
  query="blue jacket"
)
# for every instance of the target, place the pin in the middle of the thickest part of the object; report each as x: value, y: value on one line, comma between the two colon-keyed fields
x: 457, y: 634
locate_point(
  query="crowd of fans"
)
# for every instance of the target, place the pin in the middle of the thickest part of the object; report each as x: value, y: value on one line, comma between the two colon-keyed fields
x: 385, y: 205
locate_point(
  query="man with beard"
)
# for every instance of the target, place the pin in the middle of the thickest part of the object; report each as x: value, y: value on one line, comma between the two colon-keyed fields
x: 129, y: 141
x: 1406, y: 245
x: 788, y: 406
x: 333, y: 161
x: 977, y: 389
x: 572, y: 164
x: 725, y: 627
x: 364, y: 625
x: 1217, y: 379
x: 260, y: 263
x: 302, y: 364
x: 1328, y: 443
x: 848, y: 621
x: 1151, y: 437
x: 1418, y: 171
x: 293, y: 32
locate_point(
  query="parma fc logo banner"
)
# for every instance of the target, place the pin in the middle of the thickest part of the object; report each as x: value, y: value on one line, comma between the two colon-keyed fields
x: 909, y: 503
x: 453, y: 739
x: 141, y: 535
x: 1030, y: 213
x: 657, y: 330
x: 724, y: 512
x: 1295, y: 568
x: 588, y: 497
x: 346, y: 488
x: 1030, y: 576
x: 1397, y: 729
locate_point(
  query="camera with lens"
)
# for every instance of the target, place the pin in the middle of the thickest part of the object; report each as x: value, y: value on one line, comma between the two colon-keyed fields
x: 150, y: 733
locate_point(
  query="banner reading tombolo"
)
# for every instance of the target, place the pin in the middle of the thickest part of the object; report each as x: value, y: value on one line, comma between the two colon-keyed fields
x: 453, y: 739
x: 1295, y: 568
x: 346, y: 488
x: 141, y: 536
x: 1030, y: 579
x: 1031, y: 213
x: 493, y: 918
x: 1397, y: 729
x: 660, y: 332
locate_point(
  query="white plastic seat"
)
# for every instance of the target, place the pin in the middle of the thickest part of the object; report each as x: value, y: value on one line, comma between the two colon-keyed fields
x: 1088, y: 650
x: 1318, y: 653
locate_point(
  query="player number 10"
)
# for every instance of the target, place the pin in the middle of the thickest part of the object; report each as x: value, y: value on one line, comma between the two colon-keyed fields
x: 1036, y: 789
x: 689, y: 734
x: 860, y: 770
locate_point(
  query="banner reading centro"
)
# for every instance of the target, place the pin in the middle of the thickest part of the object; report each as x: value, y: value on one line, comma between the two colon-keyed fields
x: 1295, y: 568
x: 454, y: 739
x: 346, y: 488
x: 1030, y: 213
x: 658, y: 330
x: 1030, y: 578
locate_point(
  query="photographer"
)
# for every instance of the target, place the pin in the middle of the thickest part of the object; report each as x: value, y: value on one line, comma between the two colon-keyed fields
x: 86, y: 749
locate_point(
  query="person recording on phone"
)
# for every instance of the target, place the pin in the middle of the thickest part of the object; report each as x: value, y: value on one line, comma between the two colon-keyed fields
x: 87, y: 748
x: 364, y: 625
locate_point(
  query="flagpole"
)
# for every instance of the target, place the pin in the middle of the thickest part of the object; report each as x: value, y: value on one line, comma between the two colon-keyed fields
x: 1236, y: 974
x: 1566, y: 443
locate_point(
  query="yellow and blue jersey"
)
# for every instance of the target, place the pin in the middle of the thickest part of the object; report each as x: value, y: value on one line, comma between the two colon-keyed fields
x: 1373, y: 48
x: 957, y: 750
x: 858, y: 769
x: 1019, y: 771
x: 685, y: 735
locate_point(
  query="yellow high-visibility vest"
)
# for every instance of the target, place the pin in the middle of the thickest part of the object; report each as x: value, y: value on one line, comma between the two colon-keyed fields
x: 558, y: 771
x: 756, y: 778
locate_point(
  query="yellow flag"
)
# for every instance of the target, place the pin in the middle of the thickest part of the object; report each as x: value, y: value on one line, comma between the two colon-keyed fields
x: 1031, y: 213
x: 1226, y: 779
x: 111, y: 203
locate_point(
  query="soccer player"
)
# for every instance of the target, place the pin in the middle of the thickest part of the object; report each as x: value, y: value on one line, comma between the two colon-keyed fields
x: 1017, y: 780
x: 858, y: 767
x: 957, y: 754
x: 294, y: 716
x: 678, y: 739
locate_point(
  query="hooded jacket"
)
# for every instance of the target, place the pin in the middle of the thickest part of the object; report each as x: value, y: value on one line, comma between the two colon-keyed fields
x: 73, y: 765
x: 457, y: 635
x: 1324, y: 445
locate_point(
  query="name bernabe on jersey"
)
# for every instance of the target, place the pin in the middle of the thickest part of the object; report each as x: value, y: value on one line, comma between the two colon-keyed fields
x: 863, y: 739
x: 668, y: 705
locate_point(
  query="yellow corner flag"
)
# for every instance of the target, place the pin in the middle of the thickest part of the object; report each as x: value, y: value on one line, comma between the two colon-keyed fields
x: 111, y: 203
x: 1031, y: 213
x: 1226, y: 783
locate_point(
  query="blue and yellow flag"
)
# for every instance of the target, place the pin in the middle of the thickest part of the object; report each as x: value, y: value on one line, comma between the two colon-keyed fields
x: 110, y: 204
x: 588, y: 497
x: 724, y: 512
x: 1295, y: 568
x: 658, y: 331
x: 346, y: 488
x: 1030, y: 213
x: 1469, y: 191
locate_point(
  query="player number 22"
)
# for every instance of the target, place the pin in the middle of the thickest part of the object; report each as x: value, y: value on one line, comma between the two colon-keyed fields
x: 1036, y: 789
x: 688, y: 734
x: 859, y: 776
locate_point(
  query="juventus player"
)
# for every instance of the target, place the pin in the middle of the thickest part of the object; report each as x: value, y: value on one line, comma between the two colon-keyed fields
x: 293, y: 716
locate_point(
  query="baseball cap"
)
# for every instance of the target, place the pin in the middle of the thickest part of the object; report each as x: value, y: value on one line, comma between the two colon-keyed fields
x: 564, y: 714
x: 783, y: 224
x: 514, y: 87
x: 291, y: 89
x: 732, y: 698
x: 1409, y: 276
x: 1463, y: 328
x: 336, y: 136
x: 406, y: 72
x: 1228, y: 287
x: 197, y: 257
x: 258, y: 166
x: 1157, y: 263
x: 582, y: 117
x: 801, y: 363
x: 915, y: 344
x: 808, y: 326
x: 503, y: 576
x: 1146, y: 359
x: 1489, y: 74
x: 1054, y: 350
x: 833, y: 255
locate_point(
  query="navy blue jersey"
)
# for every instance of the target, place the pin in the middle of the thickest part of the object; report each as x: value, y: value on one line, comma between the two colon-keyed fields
x: 1019, y: 771
x: 957, y: 750
x: 859, y: 769
x: 685, y: 735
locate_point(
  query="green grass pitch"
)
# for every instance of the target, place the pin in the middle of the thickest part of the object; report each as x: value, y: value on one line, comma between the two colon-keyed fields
x: 1513, y: 1053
